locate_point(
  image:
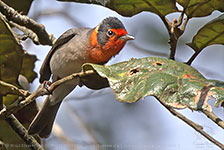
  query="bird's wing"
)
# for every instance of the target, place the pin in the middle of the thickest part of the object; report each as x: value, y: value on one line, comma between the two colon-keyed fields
x: 45, y: 71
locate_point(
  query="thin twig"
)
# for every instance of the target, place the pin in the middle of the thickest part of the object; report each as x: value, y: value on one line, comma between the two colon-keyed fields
x: 166, y: 22
x: 180, y: 19
x: 26, y: 31
x: 173, y: 46
x: 189, y: 62
x: 169, y: 26
x: 1, y: 102
x: 182, y: 28
x: 15, y: 90
x: 175, y: 31
x: 197, y: 127
x: 41, y: 90
x: 12, y: 15
x: 68, y: 78
x: 214, y: 118
x: 23, y: 133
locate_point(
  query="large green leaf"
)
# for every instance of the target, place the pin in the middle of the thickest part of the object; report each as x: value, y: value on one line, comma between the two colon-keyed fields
x: 133, y: 7
x: 176, y: 84
x: 12, y: 59
x: 211, y: 33
x: 201, y: 8
x: 11, y: 54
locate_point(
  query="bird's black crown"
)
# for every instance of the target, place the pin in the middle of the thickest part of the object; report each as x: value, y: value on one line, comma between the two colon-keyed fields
x: 105, y: 25
x: 109, y: 23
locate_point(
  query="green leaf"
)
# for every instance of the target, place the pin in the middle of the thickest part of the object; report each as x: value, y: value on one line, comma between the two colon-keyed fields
x: 11, y: 54
x: 176, y: 84
x: 28, y: 67
x: 201, y: 8
x: 132, y: 7
x: 12, y: 59
x: 22, y: 6
x: 209, y: 34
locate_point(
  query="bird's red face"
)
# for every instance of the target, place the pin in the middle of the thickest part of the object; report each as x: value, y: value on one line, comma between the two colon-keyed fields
x: 107, y: 40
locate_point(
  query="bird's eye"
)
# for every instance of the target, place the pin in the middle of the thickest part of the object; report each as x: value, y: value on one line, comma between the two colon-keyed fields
x: 110, y: 32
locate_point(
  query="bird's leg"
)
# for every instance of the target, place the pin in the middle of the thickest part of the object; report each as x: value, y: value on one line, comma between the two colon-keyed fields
x: 46, y: 84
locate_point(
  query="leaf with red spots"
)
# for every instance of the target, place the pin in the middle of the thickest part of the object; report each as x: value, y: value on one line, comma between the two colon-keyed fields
x: 132, y: 7
x: 176, y: 84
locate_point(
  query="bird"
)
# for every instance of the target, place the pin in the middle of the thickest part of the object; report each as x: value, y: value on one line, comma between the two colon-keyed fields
x: 71, y: 50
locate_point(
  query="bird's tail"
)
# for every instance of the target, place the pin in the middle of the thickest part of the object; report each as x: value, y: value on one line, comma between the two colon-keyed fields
x: 44, y: 120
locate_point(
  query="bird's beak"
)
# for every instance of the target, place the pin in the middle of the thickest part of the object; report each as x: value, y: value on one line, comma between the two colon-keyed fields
x: 127, y: 37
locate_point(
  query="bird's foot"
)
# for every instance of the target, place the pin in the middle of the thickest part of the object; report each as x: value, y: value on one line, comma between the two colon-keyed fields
x: 47, y: 84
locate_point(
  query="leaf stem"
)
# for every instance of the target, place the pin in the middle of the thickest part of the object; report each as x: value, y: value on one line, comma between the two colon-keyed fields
x: 1, y: 102
x: 15, y: 90
x: 174, y: 31
x: 197, y: 127
x: 214, y: 118
x: 189, y: 62
x: 172, y: 28
x: 41, y: 90
x: 29, y: 33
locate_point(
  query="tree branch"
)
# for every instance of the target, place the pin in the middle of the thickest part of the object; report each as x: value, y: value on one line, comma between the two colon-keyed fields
x: 182, y: 28
x: 15, y: 90
x: 175, y: 31
x: 197, y: 127
x: 1, y: 102
x: 23, y: 133
x: 214, y: 118
x: 29, y: 33
x: 41, y: 90
x: 189, y: 62
x: 12, y: 15
x: 6, y: 113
